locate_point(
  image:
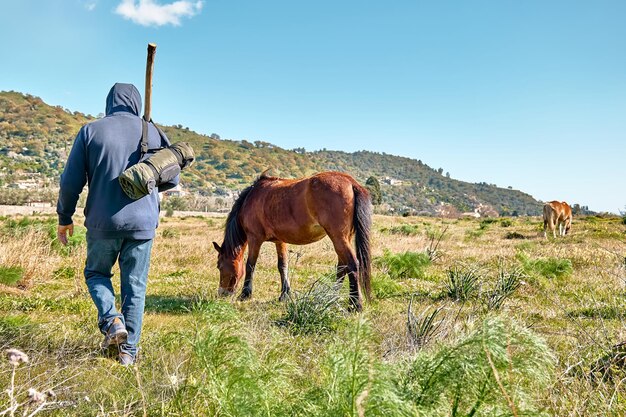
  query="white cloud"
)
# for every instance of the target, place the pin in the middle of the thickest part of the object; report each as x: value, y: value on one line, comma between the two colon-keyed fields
x: 151, y: 13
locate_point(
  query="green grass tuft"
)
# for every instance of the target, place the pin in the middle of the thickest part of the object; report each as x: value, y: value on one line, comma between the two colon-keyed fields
x: 404, y: 265
x: 385, y: 287
x: 507, y: 282
x: 11, y: 275
x: 315, y: 310
x: 463, y: 283
x: 547, y: 267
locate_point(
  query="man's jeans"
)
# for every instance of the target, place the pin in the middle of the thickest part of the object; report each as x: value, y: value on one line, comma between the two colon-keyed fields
x: 134, y: 261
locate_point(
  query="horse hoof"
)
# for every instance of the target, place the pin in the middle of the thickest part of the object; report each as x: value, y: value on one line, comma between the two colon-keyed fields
x: 356, y: 308
x: 283, y: 297
x: 245, y: 295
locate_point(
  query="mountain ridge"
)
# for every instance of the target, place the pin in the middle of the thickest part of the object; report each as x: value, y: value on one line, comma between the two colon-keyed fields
x: 36, y: 138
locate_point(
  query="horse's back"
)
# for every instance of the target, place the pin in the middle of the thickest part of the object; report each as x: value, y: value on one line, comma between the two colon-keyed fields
x: 561, y: 211
x: 302, y: 210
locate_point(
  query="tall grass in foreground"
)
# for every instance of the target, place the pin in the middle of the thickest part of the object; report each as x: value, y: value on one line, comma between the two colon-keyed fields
x: 210, y: 368
x: 499, y: 369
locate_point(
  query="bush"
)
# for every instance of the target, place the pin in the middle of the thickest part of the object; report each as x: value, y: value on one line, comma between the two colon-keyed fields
x: 224, y: 376
x: 424, y: 327
x: 353, y: 383
x: 514, y: 235
x: 486, y: 222
x: 79, y: 238
x: 404, y: 265
x: 463, y: 283
x: 405, y: 230
x: 11, y: 275
x: 506, y: 223
x: 500, y: 369
x: 316, y: 310
x: 474, y: 234
x: 169, y: 233
x: 506, y: 284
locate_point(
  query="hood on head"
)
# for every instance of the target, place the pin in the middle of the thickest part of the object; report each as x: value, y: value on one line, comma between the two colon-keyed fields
x: 123, y: 97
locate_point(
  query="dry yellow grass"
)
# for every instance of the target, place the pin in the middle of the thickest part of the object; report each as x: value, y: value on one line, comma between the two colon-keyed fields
x: 580, y: 314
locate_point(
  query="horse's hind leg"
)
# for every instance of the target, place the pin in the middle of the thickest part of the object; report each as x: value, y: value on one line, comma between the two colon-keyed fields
x: 283, y: 268
x: 348, y: 264
x: 253, y: 254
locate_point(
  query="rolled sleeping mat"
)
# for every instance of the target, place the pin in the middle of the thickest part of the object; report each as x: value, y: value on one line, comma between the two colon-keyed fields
x: 163, y: 166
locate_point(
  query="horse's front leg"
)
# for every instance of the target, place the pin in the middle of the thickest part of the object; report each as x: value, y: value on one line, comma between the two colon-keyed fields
x: 283, y: 269
x: 253, y: 254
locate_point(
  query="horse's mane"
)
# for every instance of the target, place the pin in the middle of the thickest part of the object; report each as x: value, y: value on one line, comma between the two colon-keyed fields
x: 234, y: 235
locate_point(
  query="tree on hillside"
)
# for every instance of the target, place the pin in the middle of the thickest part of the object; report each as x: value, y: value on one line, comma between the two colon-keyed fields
x: 373, y: 186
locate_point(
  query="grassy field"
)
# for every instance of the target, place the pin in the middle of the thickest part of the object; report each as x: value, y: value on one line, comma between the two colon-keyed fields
x: 495, y: 321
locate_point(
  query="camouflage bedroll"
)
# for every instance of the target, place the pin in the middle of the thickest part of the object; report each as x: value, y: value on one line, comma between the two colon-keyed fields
x: 163, y: 166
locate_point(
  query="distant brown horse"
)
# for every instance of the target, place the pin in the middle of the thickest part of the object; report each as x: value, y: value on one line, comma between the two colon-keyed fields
x: 556, y: 213
x: 298, y: 211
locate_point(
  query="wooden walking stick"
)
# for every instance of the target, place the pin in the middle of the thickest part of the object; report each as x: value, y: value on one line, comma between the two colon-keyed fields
x: 148, y: 91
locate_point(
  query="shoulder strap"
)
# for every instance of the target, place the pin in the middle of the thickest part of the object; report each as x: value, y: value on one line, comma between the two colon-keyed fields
x: 144, y: 137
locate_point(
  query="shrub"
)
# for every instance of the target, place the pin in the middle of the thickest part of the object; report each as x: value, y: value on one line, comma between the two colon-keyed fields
x: 404, y: 265
x: 224, y: 376
x: 353, y: 383
x: 506, y: 284
x: 499, y: 369
x: 11, y: 275
x: 79, y: 238
x: 474, y: 234
x: 169, y: 233
x: 463, y: 283
x: 424, y: 327
x: 405, y: 230
x: 315, y: 310
x: 486, y: 222
x: 514, y: 235
x: 506, y: 223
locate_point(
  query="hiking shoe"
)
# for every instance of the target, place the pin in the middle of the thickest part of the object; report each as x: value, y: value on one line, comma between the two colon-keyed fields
x: 126, y: 359
x: 116, y: 334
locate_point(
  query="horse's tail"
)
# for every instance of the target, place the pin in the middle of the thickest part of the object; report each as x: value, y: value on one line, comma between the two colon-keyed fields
x: 362, y: 223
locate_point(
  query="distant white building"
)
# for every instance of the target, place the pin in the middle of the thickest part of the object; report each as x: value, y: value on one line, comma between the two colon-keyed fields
x: 29, y: 184
x: 391, y: 181
x: 39, y: 204
x: 174, y: 192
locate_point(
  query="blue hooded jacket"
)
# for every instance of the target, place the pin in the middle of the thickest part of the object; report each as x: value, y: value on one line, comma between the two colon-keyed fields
x: 102, y: 150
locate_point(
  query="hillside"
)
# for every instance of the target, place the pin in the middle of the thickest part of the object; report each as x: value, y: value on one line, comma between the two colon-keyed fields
x: 36, y: 137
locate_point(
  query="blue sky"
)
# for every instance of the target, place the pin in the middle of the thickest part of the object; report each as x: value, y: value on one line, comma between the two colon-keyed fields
x: 528, y: 94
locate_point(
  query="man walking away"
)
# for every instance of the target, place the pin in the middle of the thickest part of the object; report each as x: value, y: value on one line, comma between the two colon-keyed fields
x: 117, y: 226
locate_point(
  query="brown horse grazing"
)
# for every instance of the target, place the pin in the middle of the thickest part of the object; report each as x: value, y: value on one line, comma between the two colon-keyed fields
x: 298, y: 211
x: 557, y: 213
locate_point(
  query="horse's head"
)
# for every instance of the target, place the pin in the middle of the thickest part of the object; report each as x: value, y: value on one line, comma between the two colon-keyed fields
x: 231, y: 270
